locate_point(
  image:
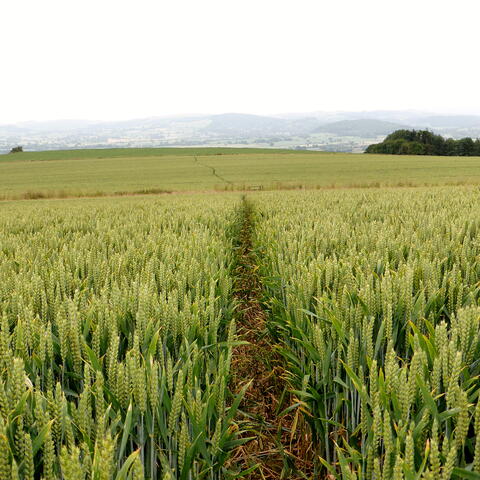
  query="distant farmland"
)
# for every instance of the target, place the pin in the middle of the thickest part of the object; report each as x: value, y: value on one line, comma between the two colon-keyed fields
x: 124, y: 171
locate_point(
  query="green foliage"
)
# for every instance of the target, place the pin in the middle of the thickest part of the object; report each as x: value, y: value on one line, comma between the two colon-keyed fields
x: 18, y: 149
x: 424, y: 142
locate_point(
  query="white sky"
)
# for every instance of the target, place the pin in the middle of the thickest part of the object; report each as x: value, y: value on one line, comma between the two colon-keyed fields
x: 119, y: 59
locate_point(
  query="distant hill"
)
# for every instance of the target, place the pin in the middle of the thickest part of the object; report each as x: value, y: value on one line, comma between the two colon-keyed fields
x: 451, y: 121
x: 332, y: 131
x: 360, y: 128
x: 243, y: 123
x: 55, y: 125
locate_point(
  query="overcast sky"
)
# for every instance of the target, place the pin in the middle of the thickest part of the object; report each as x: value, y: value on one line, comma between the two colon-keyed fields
x: 120, y: 59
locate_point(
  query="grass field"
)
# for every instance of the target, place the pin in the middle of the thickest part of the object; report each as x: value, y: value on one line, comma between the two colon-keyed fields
x: 116, y: 171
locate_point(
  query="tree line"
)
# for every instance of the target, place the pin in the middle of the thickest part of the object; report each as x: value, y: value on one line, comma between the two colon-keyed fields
x: 424, y: 142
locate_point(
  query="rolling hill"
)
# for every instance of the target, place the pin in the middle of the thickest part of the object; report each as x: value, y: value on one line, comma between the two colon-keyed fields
x: 360, y: 128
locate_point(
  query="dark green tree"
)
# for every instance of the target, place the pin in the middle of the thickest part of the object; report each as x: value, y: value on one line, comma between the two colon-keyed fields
x: 424, y: 142
x: 465, y: 147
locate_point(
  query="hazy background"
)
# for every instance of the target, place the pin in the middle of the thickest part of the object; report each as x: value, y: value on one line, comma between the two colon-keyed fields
x: 326, y: 75
x: 117, y: 59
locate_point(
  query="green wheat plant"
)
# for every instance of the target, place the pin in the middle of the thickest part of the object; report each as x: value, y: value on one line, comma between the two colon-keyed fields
x: 116, y: 335
x: 374, y: 302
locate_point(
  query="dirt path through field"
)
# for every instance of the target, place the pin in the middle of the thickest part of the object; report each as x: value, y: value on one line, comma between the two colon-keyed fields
x: 214, y: 172
x: 280, y: 447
